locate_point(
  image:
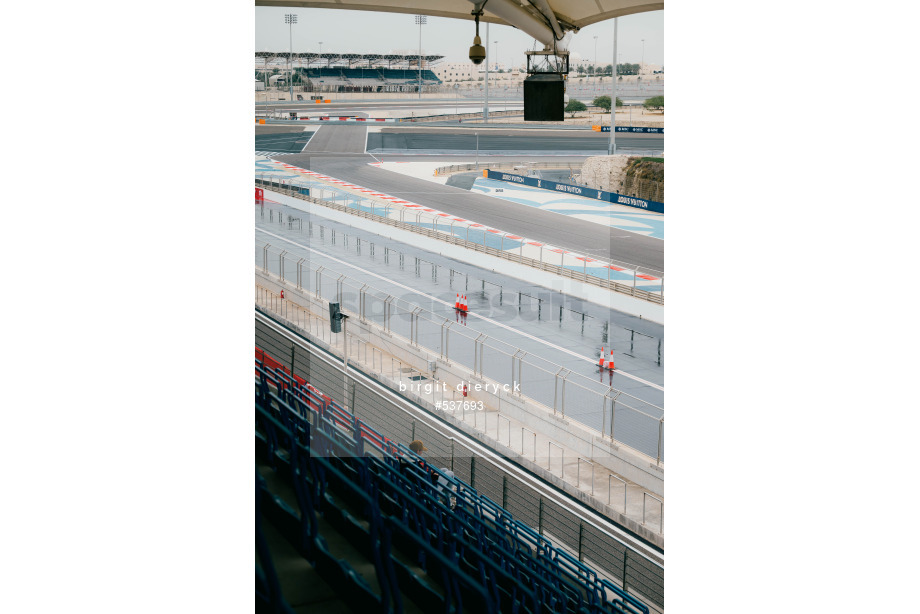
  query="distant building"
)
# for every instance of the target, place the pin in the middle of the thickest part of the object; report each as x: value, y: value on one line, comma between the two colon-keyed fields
x: 462, y: 71
x: 467, y: 71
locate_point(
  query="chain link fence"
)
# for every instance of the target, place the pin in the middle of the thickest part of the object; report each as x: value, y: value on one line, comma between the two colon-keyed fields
x: 621, y: 277
x: 617, y: 415
x: 561, y: 522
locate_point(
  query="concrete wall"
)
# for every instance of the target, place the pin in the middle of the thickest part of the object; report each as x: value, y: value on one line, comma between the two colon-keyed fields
x: 529, y: 275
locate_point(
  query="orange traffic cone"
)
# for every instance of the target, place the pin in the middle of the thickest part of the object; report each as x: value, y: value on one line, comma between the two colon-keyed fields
x: 282, y: 293
x: 463, y: 303
x: 610, y: 362
x: 457, y: 302
x: 601, y: 361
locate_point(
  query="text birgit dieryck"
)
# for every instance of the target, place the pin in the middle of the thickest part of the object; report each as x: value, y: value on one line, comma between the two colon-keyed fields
x: 469, y: 386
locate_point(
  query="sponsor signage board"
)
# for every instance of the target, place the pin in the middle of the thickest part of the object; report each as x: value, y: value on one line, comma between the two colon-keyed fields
x: 611, y: 197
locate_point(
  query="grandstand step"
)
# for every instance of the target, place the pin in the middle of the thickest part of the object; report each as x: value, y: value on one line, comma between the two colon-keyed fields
x: 338, y: 542
x: 279, y: 485
x: 336, y: 547
x: 414, y: 581
x: 301, y: 585
x: 472, y: 550
x: 343, y: 522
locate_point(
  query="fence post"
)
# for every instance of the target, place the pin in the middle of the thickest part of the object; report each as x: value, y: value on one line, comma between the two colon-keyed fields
x: 660, y: 433
x: 613, y: 404
x: 625, y: 553
x: 563, y: 393
x: 540, y: 517
x: 581, y: 535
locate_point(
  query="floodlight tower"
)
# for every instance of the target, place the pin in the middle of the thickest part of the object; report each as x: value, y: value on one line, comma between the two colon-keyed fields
x: 420, y: 20
x: 595, y: 62
x: 612, y: 144
x: 291, y: 19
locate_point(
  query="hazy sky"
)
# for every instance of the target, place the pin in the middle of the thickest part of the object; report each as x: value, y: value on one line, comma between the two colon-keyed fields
x: 368, y: 32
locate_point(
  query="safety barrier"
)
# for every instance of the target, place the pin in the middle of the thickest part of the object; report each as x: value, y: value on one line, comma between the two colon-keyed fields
x: 451, y: 116
x: 459, y: 448
x: 615, y: 415
x: 533, y: 395
x: 349, y: 119
x: 445, y: 231
x: 304, y: 436
x: 548, y: 305
x: 555, y: 186
x: 630, y: 129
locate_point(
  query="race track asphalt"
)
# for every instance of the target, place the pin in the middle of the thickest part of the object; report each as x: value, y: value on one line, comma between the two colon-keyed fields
x: 337, y: 151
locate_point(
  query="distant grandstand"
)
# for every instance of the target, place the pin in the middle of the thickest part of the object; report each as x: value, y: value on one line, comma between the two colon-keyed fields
x: 350, y: 72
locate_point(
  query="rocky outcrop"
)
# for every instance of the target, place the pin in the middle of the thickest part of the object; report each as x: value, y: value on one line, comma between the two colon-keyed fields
x: 629, y: 175
x: 604, y: 172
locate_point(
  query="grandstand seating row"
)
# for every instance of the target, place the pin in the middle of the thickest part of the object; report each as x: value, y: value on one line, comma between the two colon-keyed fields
x: 376, y: 74
x: 431, y: 537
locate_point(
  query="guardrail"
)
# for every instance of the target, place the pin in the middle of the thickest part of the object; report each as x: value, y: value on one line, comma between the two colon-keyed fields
x: 578, y: 190
x: 591, y: 539
x: 630, y: 129
x: 462, y: 168
x: 615, y: 415
x: 446, y: 233
x: 399, y: 373
x: 449, y: 116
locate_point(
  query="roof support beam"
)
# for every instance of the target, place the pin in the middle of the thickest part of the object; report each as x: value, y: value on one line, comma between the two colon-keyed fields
x: 519, y: 18
x: 544, y: 8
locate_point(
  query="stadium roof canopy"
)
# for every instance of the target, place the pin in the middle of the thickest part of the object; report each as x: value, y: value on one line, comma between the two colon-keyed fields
x: 545, y: 20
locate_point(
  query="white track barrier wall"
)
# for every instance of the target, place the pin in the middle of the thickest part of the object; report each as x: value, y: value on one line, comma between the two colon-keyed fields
x: 530, y: 275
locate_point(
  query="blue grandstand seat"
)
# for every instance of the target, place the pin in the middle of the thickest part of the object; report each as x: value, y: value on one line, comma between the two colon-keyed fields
x: 268, y: 588
x: 394, y: 509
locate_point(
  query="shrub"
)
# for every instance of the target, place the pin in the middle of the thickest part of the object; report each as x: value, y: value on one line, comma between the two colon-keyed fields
x: 656, y: 102
x: 602, y: 102
x: 574, y: 106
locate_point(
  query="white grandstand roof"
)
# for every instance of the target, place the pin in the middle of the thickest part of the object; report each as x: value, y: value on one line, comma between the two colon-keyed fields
x: 283, y: 55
